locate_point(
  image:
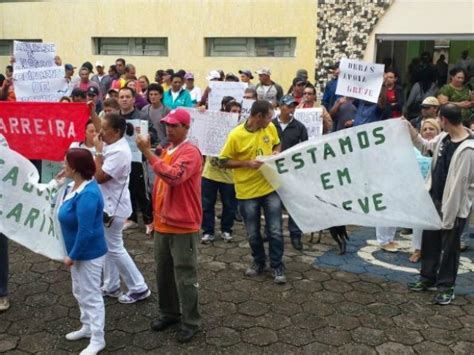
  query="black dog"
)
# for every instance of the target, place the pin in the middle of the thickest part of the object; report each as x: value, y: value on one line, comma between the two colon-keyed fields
x: 339, y: 234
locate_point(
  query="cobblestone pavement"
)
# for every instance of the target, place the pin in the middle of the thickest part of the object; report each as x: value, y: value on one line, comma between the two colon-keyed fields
x: 322, y: 309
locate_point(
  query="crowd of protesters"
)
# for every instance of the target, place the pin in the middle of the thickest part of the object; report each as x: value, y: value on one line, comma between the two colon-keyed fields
x: 179, y: 209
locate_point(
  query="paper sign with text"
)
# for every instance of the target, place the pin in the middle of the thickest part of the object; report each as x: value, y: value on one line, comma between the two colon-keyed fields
x: 220, y: 89
x: 32, y: 55
x: 360, y: 80
x: 312, y: 118
x: 367, y: 175
x: 40, y: 84
x: 209, y: 130
x: 246, y: 107
x: 40, y: 130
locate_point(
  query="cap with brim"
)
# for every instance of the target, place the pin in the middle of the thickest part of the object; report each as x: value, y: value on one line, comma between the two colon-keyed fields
x: 178, y: 116
x: 299, y: 80
x: 430, y: 101
x: 88, y: 65
x: 189, y: 76
x: 78, y: 92
x: 99, y: 63
x: 246, y: 72
x: 113, y: 90
x: 92, y: 91
x: 69, y: 67
x: 264, y: 71
x: 288, y: 100
x: 213, y: 75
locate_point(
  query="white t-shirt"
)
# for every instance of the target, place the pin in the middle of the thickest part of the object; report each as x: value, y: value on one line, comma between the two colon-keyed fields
x: 195, y: 94
x: 83, y: 146
x: 117, y: 164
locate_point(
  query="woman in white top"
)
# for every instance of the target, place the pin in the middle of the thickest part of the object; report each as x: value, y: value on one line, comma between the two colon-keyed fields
x: 113, y: 160
x: 88, y: 142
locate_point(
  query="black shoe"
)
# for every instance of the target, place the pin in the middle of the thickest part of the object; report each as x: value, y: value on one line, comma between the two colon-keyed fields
x: 185, y: 335
x: 159, y: 325
x: 444, y: 297
x: 296, y: 242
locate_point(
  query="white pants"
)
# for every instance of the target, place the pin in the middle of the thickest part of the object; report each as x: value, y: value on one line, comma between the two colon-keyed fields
x: 119, y: 263
x: 86, y: 275
x: 416, y: 239
x: 385, y: 234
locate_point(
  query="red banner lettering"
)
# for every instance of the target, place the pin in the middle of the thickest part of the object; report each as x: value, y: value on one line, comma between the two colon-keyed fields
x: 42, y: 130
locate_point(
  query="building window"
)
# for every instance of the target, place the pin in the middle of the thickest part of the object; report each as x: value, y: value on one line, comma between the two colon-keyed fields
x: 6, y: 45
x: 131, y: 46
x: 251, y: 47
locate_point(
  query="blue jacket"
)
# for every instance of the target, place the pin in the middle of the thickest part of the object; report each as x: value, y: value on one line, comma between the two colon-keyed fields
x: 182, y: 100
x: 329, y: 96
x: 81, y: 219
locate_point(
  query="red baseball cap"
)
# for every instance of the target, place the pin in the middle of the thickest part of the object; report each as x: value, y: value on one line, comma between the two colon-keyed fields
x: 178, y: 116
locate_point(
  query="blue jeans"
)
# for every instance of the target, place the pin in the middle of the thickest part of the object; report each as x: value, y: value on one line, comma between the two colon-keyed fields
x: 209, y: 189
x: 293, y: 228
x: 3, y: 266
x: 250, y: 210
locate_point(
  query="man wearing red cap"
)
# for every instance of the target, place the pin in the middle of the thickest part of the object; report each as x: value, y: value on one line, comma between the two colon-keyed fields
x: 177, y: 220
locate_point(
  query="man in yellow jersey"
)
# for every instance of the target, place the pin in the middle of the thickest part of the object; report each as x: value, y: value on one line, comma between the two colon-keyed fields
x: 257, y: 137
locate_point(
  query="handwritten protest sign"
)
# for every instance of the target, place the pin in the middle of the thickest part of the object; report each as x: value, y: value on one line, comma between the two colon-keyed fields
x: 209, y: 130
x: 220, y: 89
x: 40, y: 130
x: 360, y: 80
x: 366, y: 175
x: 31, y: 55
x: 138, y: 126
x: 246, y: 107
x: 26, y: 212
x: 40, y: 84
x: 312, y: 118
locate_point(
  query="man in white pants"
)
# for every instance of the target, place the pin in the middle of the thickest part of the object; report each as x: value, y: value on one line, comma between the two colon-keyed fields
x: 385, y: 237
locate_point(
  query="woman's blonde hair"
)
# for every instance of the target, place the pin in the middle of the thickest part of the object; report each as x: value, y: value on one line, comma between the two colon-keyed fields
x: 433, y: 123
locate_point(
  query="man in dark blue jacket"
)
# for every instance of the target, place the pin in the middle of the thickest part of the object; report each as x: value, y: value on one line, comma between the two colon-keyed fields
x: 290, y: 132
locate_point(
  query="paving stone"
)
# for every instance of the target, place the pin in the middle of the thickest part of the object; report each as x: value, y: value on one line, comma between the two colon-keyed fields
x: 404, y: 336
x: 223, y: 336
x: 238, y: 321
x: 318, y: 309
x: 259, y: 336
x: 316, y: 275
x: 308, y: 321
x: 296, y: 296
x: 273, y: 321
x: 331, y: 336
x: 444, y: 322
x: 368, y: 336
x: 466, y: 334
x: 280, y: 348
x: 295, y: 336
x: 359, y: 297
x: 382, y: 309
x: 252, y: 308
x: 462, y: 348
x: 390, y: 348
x: 337, y: 286
x: 234, y: 296
x: 37, y: 342
x: 317, y: 348
x: 8, y: 342
x: 341, y: 321
x: 351, y: 309
x: 219, y: 309
x: 355, y: 349
x: 469, y: 309
x: 428, y: 347
x: 41, y: 300
x: 467, y: 321
x: 286, y: 308
x: 440, y: 336
x: 327, y: 297
x: 410, y: 321
x: 307, y: 285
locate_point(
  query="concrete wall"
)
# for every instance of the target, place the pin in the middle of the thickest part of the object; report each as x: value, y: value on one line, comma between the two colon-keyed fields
x: 423, y: 17
x: 72, y: 24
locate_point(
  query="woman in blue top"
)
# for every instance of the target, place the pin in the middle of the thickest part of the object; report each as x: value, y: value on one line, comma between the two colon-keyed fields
x: 81, y: 220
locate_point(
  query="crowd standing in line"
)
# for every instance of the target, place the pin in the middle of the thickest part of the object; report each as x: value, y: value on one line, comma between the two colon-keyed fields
x: 108, y: 189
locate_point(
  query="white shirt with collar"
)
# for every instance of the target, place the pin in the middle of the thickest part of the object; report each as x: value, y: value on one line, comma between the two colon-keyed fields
x: 117, y: 164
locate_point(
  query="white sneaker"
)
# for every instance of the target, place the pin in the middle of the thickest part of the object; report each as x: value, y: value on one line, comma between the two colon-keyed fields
x: 4, y: 304
x: 227, y: 237
x: 207, y: 238
x: 130, y: 225
x: 79, y: 334
x: 93, y: 348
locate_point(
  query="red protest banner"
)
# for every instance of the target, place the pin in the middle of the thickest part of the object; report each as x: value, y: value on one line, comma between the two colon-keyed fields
x: 42, y: 130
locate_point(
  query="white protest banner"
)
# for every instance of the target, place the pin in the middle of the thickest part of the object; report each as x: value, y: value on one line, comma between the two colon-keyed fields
x: 246, y: 107
x: 136, y: 153
x: 31, y: 55
x: 49, y: 169
x: 360, y: 80
x: 312, y: 118
x: 209, y: 130
x: 26, y: 214
x: 40, y: 84
x: 220, y: 89
x: 366, y: 175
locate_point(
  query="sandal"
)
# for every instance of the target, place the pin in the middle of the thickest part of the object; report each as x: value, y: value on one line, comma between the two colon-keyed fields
x: 415, y: 257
